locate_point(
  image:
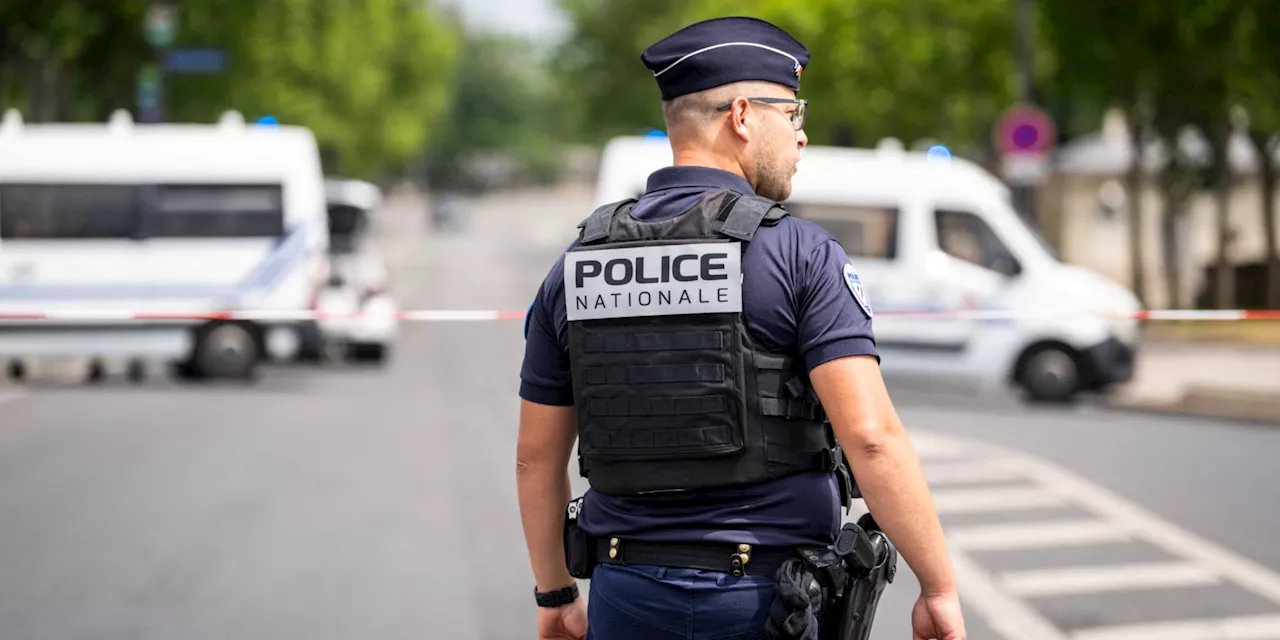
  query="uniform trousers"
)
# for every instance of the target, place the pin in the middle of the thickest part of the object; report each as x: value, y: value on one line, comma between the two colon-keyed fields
x: 660, y: 603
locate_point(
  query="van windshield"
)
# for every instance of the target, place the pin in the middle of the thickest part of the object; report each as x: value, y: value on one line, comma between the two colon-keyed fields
x: 346, y: 223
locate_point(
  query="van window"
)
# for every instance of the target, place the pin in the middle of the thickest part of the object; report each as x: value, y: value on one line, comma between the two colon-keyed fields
x: 217, y: 211
x: 863, y: 231
x: 67, y: 211
x: 966, y: 236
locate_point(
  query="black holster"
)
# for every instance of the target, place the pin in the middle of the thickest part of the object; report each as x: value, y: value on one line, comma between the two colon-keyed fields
x: 870, y: 563
x: 579, y: 550
x: 844, y: 581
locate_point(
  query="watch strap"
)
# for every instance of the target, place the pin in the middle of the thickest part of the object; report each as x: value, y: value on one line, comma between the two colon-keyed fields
x: 557, y: 598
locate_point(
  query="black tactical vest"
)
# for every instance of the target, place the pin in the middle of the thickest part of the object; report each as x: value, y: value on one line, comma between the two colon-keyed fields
x: 671, y: 393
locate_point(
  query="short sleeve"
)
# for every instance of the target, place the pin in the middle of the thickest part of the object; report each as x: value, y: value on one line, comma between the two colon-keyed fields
x: 544, y: 375
x: 831, y: 322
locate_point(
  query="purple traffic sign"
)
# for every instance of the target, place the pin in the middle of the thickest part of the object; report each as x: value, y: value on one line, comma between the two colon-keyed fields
x: 1026, y: 131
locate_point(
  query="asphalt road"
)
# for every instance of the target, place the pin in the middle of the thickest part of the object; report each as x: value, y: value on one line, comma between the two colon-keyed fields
x: 336, y: 502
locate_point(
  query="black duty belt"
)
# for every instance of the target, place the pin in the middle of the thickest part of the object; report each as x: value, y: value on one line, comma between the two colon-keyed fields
x: 734, y: 559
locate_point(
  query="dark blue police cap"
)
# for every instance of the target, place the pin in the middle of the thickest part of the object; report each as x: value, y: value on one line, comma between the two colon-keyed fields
x: 724, y: 50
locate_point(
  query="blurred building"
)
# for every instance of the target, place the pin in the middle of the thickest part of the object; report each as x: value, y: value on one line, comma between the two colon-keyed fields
x: 1084, y: 215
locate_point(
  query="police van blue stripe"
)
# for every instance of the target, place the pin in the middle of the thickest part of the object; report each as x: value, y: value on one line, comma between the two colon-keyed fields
x: 286, y: 255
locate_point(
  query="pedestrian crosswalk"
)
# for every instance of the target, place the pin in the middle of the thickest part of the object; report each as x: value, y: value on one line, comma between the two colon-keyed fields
x: 1000, y: 508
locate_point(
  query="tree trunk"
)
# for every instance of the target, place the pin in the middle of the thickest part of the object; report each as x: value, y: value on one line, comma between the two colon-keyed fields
x: 1224, y: 285
x: 1173, y: 279
x: 1224, y: 280
x: 1173, y: 199
x: 1267, y: 167
x: 1133, y: 186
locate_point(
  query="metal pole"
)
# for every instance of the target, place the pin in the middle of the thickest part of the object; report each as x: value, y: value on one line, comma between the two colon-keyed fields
x: 1026, y: 37
x: 1024, y: 195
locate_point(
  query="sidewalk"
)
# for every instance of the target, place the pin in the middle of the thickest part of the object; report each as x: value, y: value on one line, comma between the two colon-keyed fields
x: 1213, y: 379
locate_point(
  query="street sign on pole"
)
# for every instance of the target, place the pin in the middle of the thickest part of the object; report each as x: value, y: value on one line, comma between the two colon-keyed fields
x: 1025, y: 135
x: 1025, y: 130
x: 193, y: 61
x: 149, y: 94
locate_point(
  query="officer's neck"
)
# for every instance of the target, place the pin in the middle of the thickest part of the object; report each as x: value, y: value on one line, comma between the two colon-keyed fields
x: 701, y: 158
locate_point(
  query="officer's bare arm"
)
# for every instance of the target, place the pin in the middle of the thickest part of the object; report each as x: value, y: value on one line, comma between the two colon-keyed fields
x: 887, y: 468
x: 547, y: 434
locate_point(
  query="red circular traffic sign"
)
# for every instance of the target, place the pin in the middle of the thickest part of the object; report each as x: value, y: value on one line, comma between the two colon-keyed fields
x: 1025, y: 130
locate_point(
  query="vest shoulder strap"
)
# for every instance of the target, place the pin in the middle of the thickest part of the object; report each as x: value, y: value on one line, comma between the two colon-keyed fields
x: 748, y: 213
x: 596, y: 226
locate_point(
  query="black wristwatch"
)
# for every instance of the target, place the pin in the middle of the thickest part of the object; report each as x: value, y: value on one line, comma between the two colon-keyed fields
x: 557, y: 598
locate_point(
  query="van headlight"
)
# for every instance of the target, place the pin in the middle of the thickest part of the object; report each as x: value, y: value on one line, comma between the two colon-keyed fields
x: 1125, y: 325
x: 1125, y: 330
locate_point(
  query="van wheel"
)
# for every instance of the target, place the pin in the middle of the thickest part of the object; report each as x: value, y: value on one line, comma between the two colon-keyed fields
x: 227, y: 350
x: 137, y: 372
x: 17, y: 370
x: 97, y: 372
x: 1050, y: 373
x: 367, y: 352
x: 312, y: 344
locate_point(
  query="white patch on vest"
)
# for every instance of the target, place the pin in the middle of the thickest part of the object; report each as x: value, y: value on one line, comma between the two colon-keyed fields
x: 852, y: 279
x: 661, y: 280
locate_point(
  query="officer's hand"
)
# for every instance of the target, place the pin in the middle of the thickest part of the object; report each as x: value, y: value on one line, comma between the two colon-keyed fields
x: 937, y: 618
x: 568, y: 622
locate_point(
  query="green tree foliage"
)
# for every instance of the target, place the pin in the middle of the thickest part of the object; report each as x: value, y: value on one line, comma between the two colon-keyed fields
x: 504, y: 100
x: 600, y: 61
x: 68, y: 60
x: 901, y: 68
x: 880, y: 68
x: 367, y: 76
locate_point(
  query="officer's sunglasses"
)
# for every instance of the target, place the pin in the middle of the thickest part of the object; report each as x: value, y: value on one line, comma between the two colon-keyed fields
x: 797, y: 116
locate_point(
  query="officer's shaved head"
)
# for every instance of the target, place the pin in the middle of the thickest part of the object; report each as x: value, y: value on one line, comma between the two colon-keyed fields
x: 763, y: 149
x: 694, y: 115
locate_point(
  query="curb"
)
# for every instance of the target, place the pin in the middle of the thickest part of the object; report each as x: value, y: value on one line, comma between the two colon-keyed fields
x: 1255, y: 407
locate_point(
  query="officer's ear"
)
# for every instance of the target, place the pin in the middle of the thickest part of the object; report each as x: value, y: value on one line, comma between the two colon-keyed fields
x: 739, y: 111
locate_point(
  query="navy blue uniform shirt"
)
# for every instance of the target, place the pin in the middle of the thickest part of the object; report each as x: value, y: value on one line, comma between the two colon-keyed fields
x: 795, y: 300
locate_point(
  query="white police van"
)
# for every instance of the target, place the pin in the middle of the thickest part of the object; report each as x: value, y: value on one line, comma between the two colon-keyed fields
x: 357, y: 309
x: 962, y: 289
x: 168, y: 220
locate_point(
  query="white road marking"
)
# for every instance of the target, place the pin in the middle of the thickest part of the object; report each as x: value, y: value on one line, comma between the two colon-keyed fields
x: 1005, y: 614
x: 1151, y: 528
x: 998, y: 601
x: 929, y: 448
x: 1002, y: 499
x: 1242, y: 628
x: 1034, y: 535
x: 1105, y: 578
x: 966, y: 473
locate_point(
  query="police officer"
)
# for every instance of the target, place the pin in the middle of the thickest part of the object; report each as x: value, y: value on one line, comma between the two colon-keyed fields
x: 712, y: 356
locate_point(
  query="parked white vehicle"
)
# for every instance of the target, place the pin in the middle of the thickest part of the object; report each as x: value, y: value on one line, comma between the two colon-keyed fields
x: 117, y: 218
x: 357, y: 310
x: 962, y: 288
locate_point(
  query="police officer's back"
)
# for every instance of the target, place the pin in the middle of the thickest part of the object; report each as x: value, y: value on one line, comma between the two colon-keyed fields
x: 707, y: 350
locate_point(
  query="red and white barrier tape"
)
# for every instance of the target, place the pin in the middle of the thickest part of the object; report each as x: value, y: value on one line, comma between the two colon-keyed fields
x: 108, y: 315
